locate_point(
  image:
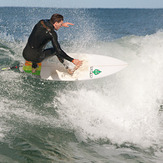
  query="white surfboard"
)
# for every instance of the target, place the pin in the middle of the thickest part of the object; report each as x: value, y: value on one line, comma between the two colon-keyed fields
x: 94, y: 66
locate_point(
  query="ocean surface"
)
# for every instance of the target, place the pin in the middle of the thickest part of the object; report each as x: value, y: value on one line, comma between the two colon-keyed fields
x: 116, y: 119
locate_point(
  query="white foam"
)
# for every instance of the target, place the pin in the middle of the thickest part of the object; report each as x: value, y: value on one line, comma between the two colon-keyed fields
x: 124, y: 107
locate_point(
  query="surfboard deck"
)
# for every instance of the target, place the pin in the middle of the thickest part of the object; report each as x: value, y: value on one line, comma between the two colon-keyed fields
x: 94, y: 66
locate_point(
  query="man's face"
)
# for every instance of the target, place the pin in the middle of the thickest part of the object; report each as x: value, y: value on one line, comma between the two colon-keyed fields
x: 58, y: 25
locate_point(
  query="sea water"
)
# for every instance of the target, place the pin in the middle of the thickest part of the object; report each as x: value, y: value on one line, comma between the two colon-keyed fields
x: 116, y: 119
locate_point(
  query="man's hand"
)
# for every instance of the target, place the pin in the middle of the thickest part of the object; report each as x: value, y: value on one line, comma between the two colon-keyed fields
x: 77, y: 63
x: 66, y: 24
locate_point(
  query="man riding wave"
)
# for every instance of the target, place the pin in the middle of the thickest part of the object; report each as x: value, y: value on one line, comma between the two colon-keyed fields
x: 44, y: 32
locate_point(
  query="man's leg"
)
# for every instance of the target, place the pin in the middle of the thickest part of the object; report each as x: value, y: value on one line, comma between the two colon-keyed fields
x: 43, y: 55
x: 48, y: 53
x: 51, y: 52
x: 34, y: 66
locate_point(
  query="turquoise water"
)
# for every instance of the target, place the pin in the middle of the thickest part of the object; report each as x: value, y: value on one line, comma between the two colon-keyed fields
x: 111, y: 120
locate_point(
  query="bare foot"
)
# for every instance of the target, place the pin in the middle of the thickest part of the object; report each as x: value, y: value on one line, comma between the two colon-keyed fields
x: 70, y: 71
x: 73, y: 70
x: 33, y: 70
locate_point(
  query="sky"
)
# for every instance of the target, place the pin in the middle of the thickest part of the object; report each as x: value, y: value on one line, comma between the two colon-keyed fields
x: 84, y: 3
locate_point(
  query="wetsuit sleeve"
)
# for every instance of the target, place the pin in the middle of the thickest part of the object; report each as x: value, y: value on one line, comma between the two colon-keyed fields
x: 60, y: 52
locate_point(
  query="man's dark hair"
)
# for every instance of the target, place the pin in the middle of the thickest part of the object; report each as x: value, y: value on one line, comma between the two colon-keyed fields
x: 56, y: 18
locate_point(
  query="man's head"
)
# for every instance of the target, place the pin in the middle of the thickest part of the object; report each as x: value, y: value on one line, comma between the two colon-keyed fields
x: 57, y: 21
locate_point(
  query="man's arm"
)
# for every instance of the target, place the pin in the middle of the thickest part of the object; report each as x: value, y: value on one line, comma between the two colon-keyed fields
x: 76, y: 62
x: 66, y: 24
x: 60, y: 52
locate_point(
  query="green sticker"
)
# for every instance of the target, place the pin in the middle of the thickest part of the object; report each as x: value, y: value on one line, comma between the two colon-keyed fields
x: 96, y: 71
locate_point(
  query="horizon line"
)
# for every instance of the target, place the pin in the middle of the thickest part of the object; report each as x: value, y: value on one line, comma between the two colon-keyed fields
x: 86, y: 7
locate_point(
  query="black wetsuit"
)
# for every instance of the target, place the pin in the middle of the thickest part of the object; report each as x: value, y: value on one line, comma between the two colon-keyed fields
x: 42, y: 33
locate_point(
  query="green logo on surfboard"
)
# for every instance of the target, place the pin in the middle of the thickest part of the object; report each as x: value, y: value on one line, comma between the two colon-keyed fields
x: 96, y: 71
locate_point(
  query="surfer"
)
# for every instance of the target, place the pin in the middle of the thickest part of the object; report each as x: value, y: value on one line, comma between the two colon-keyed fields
x: 44, y: 32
